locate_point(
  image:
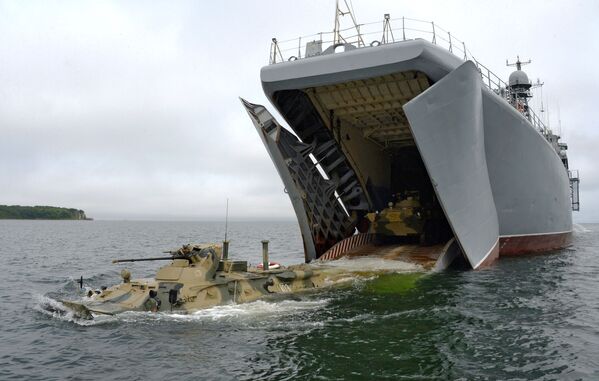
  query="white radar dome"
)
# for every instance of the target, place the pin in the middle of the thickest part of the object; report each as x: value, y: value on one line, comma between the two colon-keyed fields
x: 519, y: 78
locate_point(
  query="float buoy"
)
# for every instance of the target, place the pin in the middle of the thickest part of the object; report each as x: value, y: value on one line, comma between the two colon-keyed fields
x: 271, y: 266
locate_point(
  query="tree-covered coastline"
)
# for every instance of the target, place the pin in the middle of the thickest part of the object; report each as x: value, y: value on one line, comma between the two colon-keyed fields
x: 18, y: 212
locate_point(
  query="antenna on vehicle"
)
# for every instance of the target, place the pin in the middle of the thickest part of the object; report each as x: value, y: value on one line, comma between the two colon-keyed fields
x: 225, y: 255
x: 227, y: 220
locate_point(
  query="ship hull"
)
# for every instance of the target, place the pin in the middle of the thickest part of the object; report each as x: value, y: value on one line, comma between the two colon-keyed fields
x: 525, y: 244
x: 501, y: 185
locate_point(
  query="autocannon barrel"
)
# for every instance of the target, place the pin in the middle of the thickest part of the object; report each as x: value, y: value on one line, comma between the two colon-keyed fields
x: 147, y: 259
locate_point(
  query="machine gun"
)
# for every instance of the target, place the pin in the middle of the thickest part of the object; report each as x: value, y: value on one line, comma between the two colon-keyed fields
x: 150, y: 259
x: 192, y: 253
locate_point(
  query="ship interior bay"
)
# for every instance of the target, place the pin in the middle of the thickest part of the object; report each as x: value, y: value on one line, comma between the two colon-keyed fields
x: 366, y: 120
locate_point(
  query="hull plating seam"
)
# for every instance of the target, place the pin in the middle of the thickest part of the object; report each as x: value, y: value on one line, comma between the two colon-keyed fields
x: 534, y: 234
x: 490, y: 257
x: 526, y: 243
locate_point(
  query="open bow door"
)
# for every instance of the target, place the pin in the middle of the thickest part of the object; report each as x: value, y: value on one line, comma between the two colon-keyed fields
x: 322, y: 220
x: 447, y: 124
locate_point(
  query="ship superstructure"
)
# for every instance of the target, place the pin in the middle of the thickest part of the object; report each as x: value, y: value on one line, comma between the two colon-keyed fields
x: 411, y: 141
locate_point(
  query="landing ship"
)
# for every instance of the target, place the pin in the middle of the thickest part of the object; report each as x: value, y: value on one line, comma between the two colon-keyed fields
x: 383, y: 113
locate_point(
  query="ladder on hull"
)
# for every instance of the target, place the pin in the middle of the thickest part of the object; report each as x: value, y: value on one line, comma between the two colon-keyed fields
x: 574, y: 192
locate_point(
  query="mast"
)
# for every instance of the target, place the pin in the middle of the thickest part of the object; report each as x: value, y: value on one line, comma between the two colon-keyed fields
x: 518, y: 64
x: 336, y: 36
x: 346, y: 11
x: 519, y: 87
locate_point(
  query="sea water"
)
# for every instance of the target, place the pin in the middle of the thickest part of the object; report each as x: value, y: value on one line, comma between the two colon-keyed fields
x: 527, y: 318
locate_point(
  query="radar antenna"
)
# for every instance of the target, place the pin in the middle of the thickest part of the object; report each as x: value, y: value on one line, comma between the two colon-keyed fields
x: 518, y: 64
x: 339, y: 12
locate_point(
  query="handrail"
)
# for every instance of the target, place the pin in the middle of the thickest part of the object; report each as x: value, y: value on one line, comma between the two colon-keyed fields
x: 410, y: 29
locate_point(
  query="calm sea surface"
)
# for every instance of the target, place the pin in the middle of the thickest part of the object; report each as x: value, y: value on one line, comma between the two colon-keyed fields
x: 530, y: 318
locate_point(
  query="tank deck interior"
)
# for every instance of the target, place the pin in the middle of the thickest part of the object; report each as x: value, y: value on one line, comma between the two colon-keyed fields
x: 374, y: 163
x: 367, y: 120
x: 373, y: 106
x: 425, y: 256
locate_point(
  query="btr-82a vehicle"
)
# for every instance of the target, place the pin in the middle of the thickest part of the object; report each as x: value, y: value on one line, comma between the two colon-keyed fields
x: 196, y: 278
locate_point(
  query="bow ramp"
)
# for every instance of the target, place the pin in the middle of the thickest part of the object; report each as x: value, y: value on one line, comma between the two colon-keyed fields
x: 322, y: 219
x: 446, y: 122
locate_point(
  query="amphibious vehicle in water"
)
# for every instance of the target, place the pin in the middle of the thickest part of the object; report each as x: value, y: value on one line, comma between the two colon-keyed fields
x: 196, y: 278
x: 200, y: 276
x: 406, y: 219
x: 399, y: 113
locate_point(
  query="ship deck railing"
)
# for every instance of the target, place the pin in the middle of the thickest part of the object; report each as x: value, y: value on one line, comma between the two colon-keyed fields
x: 387, y: 32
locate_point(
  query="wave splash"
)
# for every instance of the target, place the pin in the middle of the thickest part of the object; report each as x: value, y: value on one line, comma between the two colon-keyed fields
x: 257, y: 312
x: 580, y: 229
x: 360, y: 270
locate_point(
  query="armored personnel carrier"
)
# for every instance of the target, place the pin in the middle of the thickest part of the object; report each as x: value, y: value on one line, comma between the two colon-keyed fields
x: 406, y: 219
x: 199, y: 277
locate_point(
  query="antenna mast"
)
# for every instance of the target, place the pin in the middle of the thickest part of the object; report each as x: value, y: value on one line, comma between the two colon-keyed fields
x: 559, y: 120
x: 337, y: 37
x: 539, y: 85
x: 387, y: 30
x: 518, y: 64
x: 519, y: 88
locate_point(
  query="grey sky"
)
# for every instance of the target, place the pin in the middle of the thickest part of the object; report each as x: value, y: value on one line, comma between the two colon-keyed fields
x: 129, y: 109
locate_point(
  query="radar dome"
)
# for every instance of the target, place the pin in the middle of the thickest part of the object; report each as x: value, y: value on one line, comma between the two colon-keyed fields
x: 519, y: 78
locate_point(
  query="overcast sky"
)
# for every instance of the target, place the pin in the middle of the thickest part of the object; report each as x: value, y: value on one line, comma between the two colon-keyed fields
x: 130, y: 110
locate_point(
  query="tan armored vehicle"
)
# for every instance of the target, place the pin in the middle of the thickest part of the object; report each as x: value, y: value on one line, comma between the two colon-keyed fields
x: 196, y: 278
x: 406, y: 217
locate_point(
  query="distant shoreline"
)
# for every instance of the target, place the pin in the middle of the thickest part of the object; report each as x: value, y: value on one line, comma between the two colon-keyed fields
x: 41, y: 212
x: 46, y: 219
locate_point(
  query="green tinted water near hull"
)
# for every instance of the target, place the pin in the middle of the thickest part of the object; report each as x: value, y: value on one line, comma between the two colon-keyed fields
x: 394, y: 283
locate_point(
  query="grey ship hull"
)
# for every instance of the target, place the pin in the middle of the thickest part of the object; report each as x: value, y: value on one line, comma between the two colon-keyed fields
x: 360, y: 115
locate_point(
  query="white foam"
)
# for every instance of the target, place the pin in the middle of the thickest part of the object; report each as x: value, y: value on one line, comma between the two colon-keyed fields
x: 254, y: 312
x: 371, y: 264
x: 578, y: 228
x: 257, y: 310
x: 57, y: 310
